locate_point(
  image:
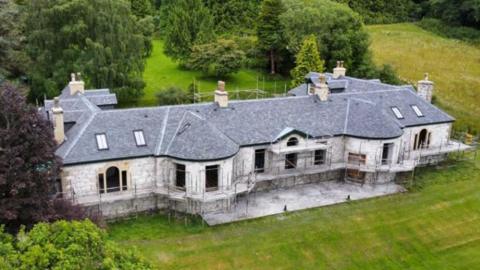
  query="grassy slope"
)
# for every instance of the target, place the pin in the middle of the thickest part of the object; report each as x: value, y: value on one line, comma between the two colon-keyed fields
x: 161, y: 72
x: 453, y: 65
x: 436, y: 227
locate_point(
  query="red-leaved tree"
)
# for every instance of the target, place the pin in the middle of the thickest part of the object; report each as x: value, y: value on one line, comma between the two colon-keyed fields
x: 28, y: 166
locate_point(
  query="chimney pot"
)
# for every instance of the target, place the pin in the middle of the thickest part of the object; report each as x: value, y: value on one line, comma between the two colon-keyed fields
x: 76, y: 85
x: 340, y: 70
x: 221, y: 96
x: 58, y: 125
x: 322, y: 90
x: 425, y: 88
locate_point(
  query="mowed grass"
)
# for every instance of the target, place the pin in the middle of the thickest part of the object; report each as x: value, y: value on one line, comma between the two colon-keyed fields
x: 453, y: 65
x: 436, y: 226
x: 161, y: 72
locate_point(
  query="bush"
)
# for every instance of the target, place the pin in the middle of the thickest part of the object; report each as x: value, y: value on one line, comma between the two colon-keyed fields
x: 440, y: 28
x: 221, y: 58
x: 67, y: 246
x: 172, y: 96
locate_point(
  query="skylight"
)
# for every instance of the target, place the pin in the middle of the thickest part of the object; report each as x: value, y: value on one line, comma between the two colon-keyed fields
x: 397, y: 113
x: 139, y: 138
x: 101, y: 141
x: 417, y: 110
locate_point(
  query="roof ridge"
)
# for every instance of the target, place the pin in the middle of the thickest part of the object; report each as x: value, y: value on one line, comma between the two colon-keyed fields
x: 176, y: 132
x: 158, y: 148
x: 345, y: 126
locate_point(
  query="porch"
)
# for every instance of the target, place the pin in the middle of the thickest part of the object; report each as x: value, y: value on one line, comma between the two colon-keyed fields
x: 300, y: 197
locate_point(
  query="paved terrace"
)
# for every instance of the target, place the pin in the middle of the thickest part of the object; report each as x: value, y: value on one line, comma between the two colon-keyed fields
x: 299, y: 198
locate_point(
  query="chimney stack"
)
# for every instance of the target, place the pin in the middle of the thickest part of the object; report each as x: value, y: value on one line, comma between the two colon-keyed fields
x: 425, y: 88
x: 76, y: 85
x: 221, y: 96
x: 340, y: 70
x: 322, y: 90
x: 58, y: 128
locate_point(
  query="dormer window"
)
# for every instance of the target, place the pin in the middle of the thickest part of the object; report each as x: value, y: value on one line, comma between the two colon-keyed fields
x: 139, y: 138
x: 397, y: 113
x: 101, y: 141
x: 292, y: 142
x: 417, y: 110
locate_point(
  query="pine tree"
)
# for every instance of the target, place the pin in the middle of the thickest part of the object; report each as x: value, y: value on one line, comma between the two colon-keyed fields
x: 307, y: 60
x: 270, y: 31
x: 189, y: 22
x: 99, y: 38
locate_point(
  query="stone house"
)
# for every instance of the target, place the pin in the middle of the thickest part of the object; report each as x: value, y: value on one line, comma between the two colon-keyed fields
x: 200, y: 158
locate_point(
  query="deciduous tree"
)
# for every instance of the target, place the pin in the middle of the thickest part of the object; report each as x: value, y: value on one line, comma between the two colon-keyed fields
x: 28, y: 166
x: 67, y: 246
x: 221, y: 58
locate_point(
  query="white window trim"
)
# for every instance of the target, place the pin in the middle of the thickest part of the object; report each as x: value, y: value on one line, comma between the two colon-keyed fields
x: 139, y: 137
x: 397, y: 113
x: 417, y: 110
x: 102, y: 143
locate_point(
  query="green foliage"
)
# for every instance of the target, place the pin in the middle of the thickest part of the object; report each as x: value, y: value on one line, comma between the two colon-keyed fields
x: 443, y: 29
x: 387, y: 74
x: 270, y: 31
x: 188, y: 23
x: 307, y: 60
x: 221, y: 58
x: 173, y: 95
x: 99, y: 38
x: 233, y: 16
x: 338, y: 29
x: 142, y: 8
x: 67, y: 246
x: 13, y: 60
x: 385, y: 11
x: 457, y: 12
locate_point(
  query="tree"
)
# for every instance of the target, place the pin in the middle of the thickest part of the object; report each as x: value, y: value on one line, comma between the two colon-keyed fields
x: 457, y: 12
x: 13, y: 60
x: 141, y: 8
x: 233, y: 16
x: 307, y: 60
x: 222, y: 57
x: 189, y: 22
x: 270, y: 31
x: 172, y: 96
x: 99, y: 38
x: 337, y: 28
x: 28, y: 166
x: 66, y: 245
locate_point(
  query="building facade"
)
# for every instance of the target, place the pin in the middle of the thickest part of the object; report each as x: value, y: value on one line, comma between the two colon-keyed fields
x: 200, y: 158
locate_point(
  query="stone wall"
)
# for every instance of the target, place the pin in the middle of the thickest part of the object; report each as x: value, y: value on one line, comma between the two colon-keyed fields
x: 286, y: 182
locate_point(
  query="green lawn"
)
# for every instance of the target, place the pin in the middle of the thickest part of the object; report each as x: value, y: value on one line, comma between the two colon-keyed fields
x: 161, y: 71
x: 433, y: 227
x: 453, y: 65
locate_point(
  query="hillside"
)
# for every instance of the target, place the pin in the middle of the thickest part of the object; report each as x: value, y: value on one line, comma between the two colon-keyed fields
x: 453, y: 65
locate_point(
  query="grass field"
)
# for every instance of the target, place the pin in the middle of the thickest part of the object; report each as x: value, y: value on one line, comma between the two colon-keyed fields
x: 436, y: 226
x: 453, y: 65
x: 161, y: 71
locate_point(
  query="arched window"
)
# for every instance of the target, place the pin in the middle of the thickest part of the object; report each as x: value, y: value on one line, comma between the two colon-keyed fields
x: 422, y: 139
x: 113, y: 179
x: 292, y: 142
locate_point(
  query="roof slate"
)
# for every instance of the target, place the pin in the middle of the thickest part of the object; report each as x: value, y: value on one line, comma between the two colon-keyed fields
x: 208, y: 132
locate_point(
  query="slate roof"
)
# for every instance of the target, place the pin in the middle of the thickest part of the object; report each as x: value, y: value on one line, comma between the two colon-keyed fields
x: 207, y: 132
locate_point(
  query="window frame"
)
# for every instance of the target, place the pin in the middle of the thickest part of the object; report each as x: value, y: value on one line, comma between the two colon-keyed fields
x: 177, y: 165
x: 256, y: 158
x: 319, y: 161
x: 208, y: 174
x: 142, y: 134
x: 291, y: 165
x: 293, y: 141
x: 417, y: 110
x: 396, y: 111
x: 104, y: 135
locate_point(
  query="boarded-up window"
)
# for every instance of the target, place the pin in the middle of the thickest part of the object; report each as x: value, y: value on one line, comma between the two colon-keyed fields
x: 355, y: 174
x: 358, y: 159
